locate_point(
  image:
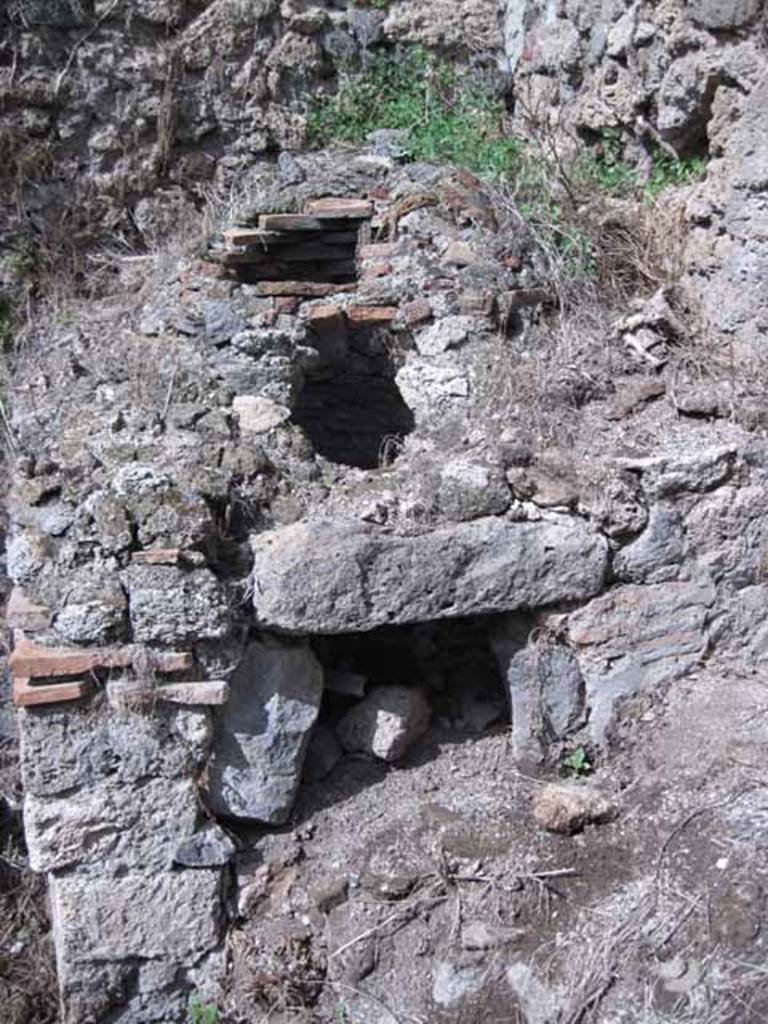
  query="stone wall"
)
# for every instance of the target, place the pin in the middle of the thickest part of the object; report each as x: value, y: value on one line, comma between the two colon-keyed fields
x: 176, y: 550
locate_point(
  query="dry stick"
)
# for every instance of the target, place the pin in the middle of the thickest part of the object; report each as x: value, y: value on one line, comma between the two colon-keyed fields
x: 73, y: 52
x: 433, y: 900
x: 168, y: 395
x: 691, y: 817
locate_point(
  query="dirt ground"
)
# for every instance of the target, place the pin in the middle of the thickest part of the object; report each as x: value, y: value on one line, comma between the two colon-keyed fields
x: 425, y: 893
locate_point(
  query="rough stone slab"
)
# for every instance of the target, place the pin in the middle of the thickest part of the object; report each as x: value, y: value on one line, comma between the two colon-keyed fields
x: 636, y: 637
x: 135, y: 827
x: 331, y: 577
x: 262, y: 736
x: 67, y: 748
x: 257, y: 414
x: 544, y: 684
x: 169, y: 914
x: 25, y: 695
x: 21, y: 613
x: 172, y: 606
x: 31, y: 660
x: 211, y: 847
x: 308, y: 289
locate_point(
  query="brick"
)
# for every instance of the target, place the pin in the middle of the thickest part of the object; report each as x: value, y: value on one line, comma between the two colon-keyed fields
x: 31, y: 660
x: 380, y: 191
x: 307, y: 289
x: 21, y: 613
x: 205, y: 692
x: 377, y: 251
x: 158, y: 556
x: 25, y: 695
x: 326, y: 317
x: 340, y: 207
x: 416, y: 312
x: 287, y: 304
x: 363, y: 316
x: 377, y: 269
x: 248, y: 236
x: 482, y: 303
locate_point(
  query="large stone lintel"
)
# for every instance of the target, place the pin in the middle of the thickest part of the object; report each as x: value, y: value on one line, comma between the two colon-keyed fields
x: 330, y: 577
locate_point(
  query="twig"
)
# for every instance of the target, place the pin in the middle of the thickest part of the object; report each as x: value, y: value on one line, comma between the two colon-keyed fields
x: 404, y: 913
x: 73, y: 52
x: 169, y: 393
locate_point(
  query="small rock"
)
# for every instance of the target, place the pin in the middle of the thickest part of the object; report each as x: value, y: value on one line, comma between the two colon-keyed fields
x: 459, y: 254
x: 211, y: 847
x: 386, y: 722
x: 452, y: 983
x: 289, y: 169
x: 451, y: 332
x: 330, y: 895
x: 567, y: 809
x: 258, y: 415
x: 479, y: 935
x: 704, y: 400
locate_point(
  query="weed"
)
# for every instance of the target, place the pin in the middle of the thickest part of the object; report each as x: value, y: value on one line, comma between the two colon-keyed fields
x: 442, y: 117
x: 576, y: 764
x: 608, y: 171
x: 340, y: 1014
x: 202, y: 1013
x: 666, y: 171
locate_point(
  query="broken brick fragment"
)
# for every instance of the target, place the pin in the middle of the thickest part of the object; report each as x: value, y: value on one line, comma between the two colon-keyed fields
x: 34, y: 661
x: 371, y: 316
x: 26, y: 695
x: 416, y: 312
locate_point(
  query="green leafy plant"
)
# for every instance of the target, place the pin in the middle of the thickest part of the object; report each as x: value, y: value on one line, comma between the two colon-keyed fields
x: 442, y: 116
x: 576, y: 763
x: 667, y: 171
x: 202, y: 1013
x: 340, y: 1014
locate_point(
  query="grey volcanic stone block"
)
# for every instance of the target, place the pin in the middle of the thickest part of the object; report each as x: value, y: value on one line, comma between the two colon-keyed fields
x: 636, y: 637
x: 386, y: 722
x: 545, y: 687
x: 330, y: 577
x: 262, y: 735
x: 171, y: 914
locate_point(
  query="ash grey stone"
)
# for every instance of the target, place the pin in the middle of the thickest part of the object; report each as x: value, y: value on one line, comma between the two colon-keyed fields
x: 129, y: 827
x: 168, y: 914
x: 636, y: 637
x: 544, y: 684
x: 329, y: 577
x: 289, y: 169
x: 695, y: 471
x: 263, y: 731
x: 95, y: 610
x: 173, y: 606
x: 211, y: 847
x: 723, y: 14
x: 222, y: 321
x: 386, y: 722
x: 655, y: 556
x: 469, y: 490
x: 453, y: 983
x: 450, y: 332
x: 63, y: 750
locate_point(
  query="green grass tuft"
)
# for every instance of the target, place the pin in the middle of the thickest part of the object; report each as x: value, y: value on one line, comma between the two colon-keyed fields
x: 443, y: 118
